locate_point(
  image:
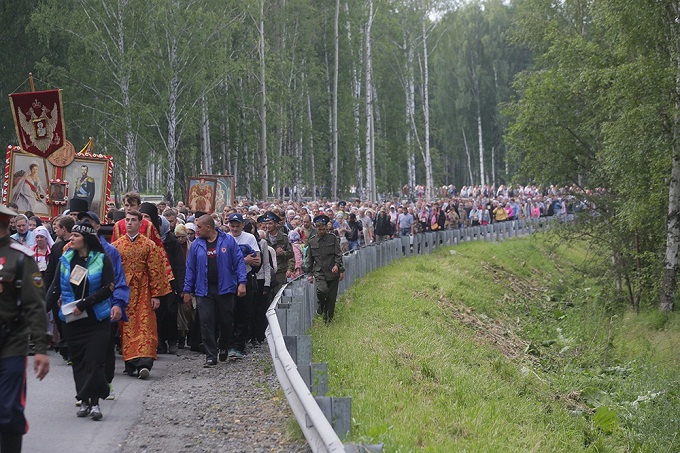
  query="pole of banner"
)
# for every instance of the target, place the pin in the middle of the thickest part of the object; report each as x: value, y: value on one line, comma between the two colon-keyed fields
x: 30, y: 81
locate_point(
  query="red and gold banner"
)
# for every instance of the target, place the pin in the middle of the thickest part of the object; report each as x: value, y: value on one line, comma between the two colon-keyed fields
x: 39, y: 121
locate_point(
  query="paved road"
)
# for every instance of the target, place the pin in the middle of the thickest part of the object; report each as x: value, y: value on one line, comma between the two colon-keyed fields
x: 51, y: 410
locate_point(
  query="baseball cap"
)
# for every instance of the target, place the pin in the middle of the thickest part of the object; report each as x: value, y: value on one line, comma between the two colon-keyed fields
x: 89, y: 215
x: 235, y: 217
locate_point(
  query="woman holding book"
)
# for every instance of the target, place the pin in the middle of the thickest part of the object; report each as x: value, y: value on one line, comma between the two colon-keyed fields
x: 84, y: 284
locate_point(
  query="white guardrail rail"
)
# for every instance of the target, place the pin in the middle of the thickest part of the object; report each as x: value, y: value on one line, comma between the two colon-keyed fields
x: 293, y: 308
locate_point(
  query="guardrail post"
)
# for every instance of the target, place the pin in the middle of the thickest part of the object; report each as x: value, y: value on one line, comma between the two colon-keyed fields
x: 338, y: 411
x: 300, y: 348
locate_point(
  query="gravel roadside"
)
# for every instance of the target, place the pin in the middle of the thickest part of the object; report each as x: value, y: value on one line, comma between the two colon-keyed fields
x: 236, y: 406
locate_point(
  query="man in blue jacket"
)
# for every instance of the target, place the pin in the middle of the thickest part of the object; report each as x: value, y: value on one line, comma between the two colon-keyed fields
x: 216, y: 272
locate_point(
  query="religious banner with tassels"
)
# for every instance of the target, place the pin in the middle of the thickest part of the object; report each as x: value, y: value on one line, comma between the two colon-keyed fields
x: 39, y: 121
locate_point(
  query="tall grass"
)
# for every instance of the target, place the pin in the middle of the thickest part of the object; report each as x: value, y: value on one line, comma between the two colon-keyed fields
x: 501, y: 347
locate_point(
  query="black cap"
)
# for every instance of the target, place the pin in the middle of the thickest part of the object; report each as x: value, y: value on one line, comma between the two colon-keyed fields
x: 89, y: 215
x: 78, y: 205
x: 271, y: 216
x: 322, y: 218
x: 152, y: 210
x: 118, y: 215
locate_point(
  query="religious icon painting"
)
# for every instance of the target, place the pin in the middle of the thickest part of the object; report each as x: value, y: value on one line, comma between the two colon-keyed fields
x: 58, y: 192
x: 26, y: 182
x: 201, y: 194
x: 224, y: 191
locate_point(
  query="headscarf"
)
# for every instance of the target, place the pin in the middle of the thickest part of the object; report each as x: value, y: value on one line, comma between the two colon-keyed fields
x: 294, y: 236
x: 180, y: 230
x: 165, y: 228
x: 42, y: 231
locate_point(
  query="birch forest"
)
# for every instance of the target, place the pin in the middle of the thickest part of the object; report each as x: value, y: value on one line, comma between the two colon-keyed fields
x: 334, y: 98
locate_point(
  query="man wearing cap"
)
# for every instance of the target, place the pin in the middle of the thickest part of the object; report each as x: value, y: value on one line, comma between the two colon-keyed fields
x: 324, y: 262
x: 245, y: 306
x: 22, y: 312
x: 216, y: 272
x: 76, y: 206
x: 281, y: 245
x: 121, y: 295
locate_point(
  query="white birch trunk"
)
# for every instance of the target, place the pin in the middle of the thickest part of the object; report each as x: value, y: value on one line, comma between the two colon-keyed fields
x: 264, y: 168
x: 469, y: 160
x: 311, y: 143
x: 669, y: 283
x: 336, y: 60
x: 356, y: 98
x: 370, y: 136
x: 426, y: 114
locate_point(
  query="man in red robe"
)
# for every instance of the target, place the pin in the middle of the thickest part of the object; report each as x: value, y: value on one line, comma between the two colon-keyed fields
x: 144, y: 272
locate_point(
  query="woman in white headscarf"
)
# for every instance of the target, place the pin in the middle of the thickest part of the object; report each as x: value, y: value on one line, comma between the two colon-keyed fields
x: 42, y: 248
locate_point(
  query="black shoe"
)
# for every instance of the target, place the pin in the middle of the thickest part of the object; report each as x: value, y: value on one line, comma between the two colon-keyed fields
x: 181, y: 342
x: 222, y: 355
x: 173, y: 349
x: 143, y: 373
x: 209, y: 363
x: 162, y: 349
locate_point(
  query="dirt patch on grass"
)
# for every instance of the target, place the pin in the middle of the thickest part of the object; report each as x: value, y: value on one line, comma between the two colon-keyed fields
x: 487, y: 330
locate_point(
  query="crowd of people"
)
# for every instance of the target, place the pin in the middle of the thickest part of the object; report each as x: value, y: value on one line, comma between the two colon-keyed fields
x: 151, y: 279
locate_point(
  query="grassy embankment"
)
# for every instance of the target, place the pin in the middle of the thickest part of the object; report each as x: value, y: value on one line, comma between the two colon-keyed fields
x: 502, y: 348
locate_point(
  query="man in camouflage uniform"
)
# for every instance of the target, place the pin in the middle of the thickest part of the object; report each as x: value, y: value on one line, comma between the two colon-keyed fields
x: 22, y: 312
x: 324, y: 262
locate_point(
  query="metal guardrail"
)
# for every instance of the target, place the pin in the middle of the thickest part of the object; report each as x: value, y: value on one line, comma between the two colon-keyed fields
x: 323, y: 420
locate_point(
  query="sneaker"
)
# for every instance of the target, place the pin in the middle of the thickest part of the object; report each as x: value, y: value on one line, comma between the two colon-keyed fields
x: 232, y: 353
x: 112, y: 395
x: 209, y: 363
x: 237, y: 355
x: 143, y: 373
x: 95, y: 413
x: 79, y: 403
x: 84, y: 411
x: 223, y: 355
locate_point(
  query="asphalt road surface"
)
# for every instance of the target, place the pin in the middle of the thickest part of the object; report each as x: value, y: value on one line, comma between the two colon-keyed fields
x: 51, y: 410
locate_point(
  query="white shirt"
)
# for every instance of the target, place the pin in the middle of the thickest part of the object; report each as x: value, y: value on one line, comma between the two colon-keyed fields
x: 247, y: 239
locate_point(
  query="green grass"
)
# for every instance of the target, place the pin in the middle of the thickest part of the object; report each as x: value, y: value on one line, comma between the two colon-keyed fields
x: 501, y: 347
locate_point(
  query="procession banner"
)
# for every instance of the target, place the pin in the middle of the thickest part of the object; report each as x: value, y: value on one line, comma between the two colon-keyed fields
x: 39, y: 121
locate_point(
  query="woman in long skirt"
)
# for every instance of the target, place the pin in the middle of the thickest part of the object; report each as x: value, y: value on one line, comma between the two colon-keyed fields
x: 84, y: 284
